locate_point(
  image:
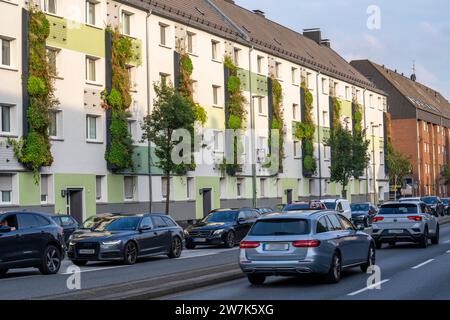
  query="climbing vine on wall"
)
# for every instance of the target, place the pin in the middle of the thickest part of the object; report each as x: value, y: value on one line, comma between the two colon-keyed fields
x: 305, y: 131
x: 119, y: 155
x: 277, y: 121
x: 237, y: 114
x: 34, y: 150
x: 336, y: 114
x: 357, y: 119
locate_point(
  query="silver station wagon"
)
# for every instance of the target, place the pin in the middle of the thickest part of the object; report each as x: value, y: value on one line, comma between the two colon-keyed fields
x: 306, y: 242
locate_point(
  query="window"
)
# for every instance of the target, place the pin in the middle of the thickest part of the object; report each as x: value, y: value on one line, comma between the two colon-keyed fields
x: 326, y: 153
x: 6, y: 52
x: 380, y: 105
x: 164, y: 187
x: 50, y: 6
x: 190, y: 188
x: 163, y: 34
x: 347, y: 93
x: 164, y: 78
x: 358, y: 95
x: 239, y: 187
x: 336, y: 225
x: 263, y: 187
x: 91, y: 127
x: 371, y: 101
x: 278, y: 70
x: 169, y: 222
x: 5, y: 115
x: 260, y: 104
x: 90, y: 12
x: 336, y: 89
x: 132, y: 76
x: 5, y: 188
x: 54, y: 122
x: 325, y: 88
x: 217, y: 141
x: 51, y: 58
x: 128, y: 183
x: 323, y: 225
x: 236, y: 56
x: 309, y: 82
x: 126, y: 23
x: 215, y: 95
x: 260, y: 61
x: 90, y: 69
x: 295, y: 111
x: 324, y: 118
x: 98, y: 187
x: 158, y: 222
x: 190, y: 42
x: 44, y: 188
x: 195, y: 90
x: 294, y: 72
x: 297, y: 152
x: 214, y: 50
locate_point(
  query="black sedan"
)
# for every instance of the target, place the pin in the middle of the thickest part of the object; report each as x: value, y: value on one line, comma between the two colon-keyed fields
x: 68, y: 223
x: 363, y: 213
x: 221, y: 227
x: 435, y: 204
x: 125, y: 238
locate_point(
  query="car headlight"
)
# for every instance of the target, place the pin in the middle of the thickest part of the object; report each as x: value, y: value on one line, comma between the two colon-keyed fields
x: 218, y: 232
x: 111, y: 243
x: 186, y: 233
x: 71, y: 243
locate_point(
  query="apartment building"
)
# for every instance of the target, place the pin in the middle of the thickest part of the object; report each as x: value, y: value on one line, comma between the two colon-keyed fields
x: 79, y: 181
x: 420, y: 125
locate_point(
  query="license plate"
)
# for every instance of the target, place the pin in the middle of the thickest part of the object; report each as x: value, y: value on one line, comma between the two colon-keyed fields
x: 86, y: 251
x: 396, y: 231
x: 199, y: 240
x: 276, y: 247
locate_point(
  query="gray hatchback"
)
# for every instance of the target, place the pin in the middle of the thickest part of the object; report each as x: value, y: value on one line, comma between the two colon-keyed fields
x: 306, y: 242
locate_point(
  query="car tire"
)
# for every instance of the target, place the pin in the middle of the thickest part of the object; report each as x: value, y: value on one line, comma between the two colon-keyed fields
x: 371, y: 258
x: 378, y: 245
x: 175, y: 248
x: 334, y: 275
x: 256, y: 279
x: 230, y: 240
x: 435, y: 239
x: 366, y: 223
x: 3, y: 271
x: 190, y: 245
x: 423, y: 242
x: 51, y: 260
x: 79, y: 263
x: 130, y: 253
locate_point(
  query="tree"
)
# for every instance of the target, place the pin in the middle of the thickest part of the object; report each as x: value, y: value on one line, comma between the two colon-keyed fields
x: 172, y: 111
x: 349, y: 156
x: 399, y: 165
x: 446, y: 173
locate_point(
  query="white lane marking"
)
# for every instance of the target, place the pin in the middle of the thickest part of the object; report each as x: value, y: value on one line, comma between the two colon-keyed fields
x: 448, y: 251
x: 203, y: 254
x: 92, y: 270
x: 368, y: 288
x: 447, y: 241
x: 422, y: 264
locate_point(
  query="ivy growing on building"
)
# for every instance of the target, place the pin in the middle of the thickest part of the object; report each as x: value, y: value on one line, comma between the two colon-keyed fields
x: 357, y: 119
x: 34, y: 150
x: 237, y: 114
x: 336, y: 114
x: 305, y: 131
x: 119, y: 155
x: 277, y: 122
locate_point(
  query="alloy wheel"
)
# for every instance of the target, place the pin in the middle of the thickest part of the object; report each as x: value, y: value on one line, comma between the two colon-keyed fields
x: 176, y: 245
x: 52, y: 260
x: 130, y: 253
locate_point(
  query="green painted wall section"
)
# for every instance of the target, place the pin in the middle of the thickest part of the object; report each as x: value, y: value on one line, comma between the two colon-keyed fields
x: 179, y: 184
x: 204, y: 183
x: 324, y: 132
x: 346, y: 108
x: 29, y: 191
x: 115, y: 188
x: 259, y: 82
x: 305, y: 188
x: 71, y: 35
x: 216, y: 118
x: 84, y: 181
x: 140, y: 161
x: 286, y: 184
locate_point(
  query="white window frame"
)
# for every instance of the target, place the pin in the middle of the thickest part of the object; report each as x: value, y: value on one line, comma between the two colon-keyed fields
x: 215, y: 50
x: 126, y: 16
x: 278, y: 71
x: 88, y: 5
x: 58, y: 124
x: 296, y: 111
x: 133, y: 188
x: 260, y: 64
x: 190, y: 42
x: 102, y: 188
x: 263, y: 187
x: 294, y: 75
x: 10, y: 124
x: 10, y: 50
x: 216, y: 95
x: 10, y: 192
x: 297, y: 149
x: 163, y: 28
x: 89, y: 60
x: 46, y: 7
x: 240, y: 188
x: 237, y: 56
x: 88, y: 128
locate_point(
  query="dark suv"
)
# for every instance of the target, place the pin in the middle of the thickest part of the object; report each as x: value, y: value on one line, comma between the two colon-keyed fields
x: 30, y: 239
x: 221, y: 227
x: 435, y: 204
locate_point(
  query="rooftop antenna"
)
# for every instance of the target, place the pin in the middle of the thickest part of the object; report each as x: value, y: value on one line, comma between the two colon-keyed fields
x: 413, y: 76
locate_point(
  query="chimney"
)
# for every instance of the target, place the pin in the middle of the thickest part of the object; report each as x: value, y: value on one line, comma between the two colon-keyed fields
x: 260, y: 13
x: 413, y: 77
x: 326, y: 43
x: 314, y: 34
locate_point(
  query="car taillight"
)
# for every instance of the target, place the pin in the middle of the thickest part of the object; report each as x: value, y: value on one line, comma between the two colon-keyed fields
x: 306, y: 243
x: 415, y: 218
x: 376, y: 219
x: 249, y: 245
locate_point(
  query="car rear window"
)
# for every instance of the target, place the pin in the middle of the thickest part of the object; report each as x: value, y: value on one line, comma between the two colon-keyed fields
x: 295, y: 207
x: 359, y: 207
x: 398, y: 208
x: 330, y: 205
x: 280, y: 227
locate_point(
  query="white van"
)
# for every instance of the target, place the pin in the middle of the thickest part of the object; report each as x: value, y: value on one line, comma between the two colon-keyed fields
x: 340, y: 205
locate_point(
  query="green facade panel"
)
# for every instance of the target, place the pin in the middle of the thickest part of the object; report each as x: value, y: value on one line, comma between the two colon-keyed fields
x: 115, y: 188
x: 289, y: 184
x: 86, y: 182
x: 212, y: 183
x: 258, y: 82
x: 29, y: 191
x: 346, y: 108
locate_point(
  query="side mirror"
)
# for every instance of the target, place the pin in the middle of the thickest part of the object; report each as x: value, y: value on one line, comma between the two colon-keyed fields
x: 5, y: 229
x: 145, y: 228
x: 241, y: 219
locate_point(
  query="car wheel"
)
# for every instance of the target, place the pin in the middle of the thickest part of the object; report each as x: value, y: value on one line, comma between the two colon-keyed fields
x: 378, y: 245
x: 370, y: 259
x: 334, y: 275
x: 424, y: 239
x: 3, y: 271
x: 435, y: 239
x: 230, y: 240
x: 190, y: 245
x: 256, y: 279
x: 51, y: 260
x: 366, y: 223
x: 130, y: 253
x: 175, y: 248
x: 79, y: 263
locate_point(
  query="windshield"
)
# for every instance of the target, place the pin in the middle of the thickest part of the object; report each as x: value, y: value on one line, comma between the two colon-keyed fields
x: 359, y: 207
x: 118, y: 224
x: 330, y: 205
x: 93, y: 221
x: 399, y: 208
x: 221, y: 216
x: 279, y: 227
x: 430, y: 200
x: 444, y: 201
x: 295, y: 207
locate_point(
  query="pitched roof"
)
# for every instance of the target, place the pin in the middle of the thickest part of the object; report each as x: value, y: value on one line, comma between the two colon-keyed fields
x: 420, y: 96
x: 224, y: 18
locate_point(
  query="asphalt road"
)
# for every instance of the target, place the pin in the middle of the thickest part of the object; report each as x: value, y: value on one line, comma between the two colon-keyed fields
x: 407, y: 272
x: 30, y: 284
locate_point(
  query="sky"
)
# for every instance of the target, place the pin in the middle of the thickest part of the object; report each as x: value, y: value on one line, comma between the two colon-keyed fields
x: 391, y: 33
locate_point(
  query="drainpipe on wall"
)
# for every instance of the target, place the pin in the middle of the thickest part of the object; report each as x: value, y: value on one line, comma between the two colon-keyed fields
x: 318, y: 134
x: 365, y: 126
x: 149, y: 144
x: 252, y: 127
